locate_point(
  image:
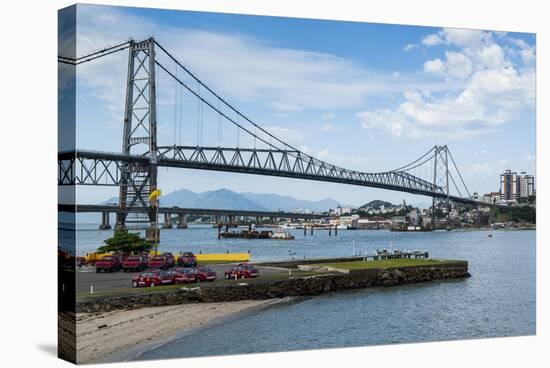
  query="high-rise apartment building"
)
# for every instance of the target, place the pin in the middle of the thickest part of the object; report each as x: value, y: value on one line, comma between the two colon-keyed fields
x: 526, y: 185
x: 509, y: 186
x: 514, y: 186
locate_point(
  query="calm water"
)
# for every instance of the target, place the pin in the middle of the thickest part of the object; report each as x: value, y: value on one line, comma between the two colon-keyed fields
x: 498, y: 300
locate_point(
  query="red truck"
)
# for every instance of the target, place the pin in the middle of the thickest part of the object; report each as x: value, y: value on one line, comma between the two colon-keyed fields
x: 134, y: 263
x: 163, y: 261
x: 152, y: 279
x: 242, y: 271
x: 108, y: 264
x: 187, y: 259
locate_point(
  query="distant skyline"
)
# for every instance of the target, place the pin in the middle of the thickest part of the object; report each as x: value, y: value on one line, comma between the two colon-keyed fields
x: 368, y: 97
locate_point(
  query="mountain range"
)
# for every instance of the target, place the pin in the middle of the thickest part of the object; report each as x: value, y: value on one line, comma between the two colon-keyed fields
x: 227, y: 199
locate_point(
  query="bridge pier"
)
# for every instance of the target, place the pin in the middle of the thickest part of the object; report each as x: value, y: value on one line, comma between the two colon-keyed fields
x: 105, y: 225
x: 182, y: 221
x: 119, y: 224
x: 167, y: 221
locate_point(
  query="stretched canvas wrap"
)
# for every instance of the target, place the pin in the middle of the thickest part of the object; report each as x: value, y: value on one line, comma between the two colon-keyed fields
x: 234, y: 184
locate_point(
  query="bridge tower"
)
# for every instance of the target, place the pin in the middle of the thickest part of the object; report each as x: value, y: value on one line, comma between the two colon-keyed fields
x: 139, y: 137
x: 441, y: 179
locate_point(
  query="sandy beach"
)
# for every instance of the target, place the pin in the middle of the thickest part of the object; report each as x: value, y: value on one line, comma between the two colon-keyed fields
x: 100, y: 335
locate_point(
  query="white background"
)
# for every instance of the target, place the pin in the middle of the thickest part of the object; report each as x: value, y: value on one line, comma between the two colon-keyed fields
x: 28, y: 123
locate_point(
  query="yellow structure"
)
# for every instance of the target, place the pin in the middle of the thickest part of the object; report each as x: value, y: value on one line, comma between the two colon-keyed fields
x: 92, y: 257
x: 227, y: 257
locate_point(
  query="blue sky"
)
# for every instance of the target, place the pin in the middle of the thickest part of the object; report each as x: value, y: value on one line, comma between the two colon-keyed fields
x: 368, y: 97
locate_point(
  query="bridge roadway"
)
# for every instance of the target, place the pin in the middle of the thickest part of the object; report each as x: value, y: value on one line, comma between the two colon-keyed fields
x: 84, y: 167
x: 92, y: 208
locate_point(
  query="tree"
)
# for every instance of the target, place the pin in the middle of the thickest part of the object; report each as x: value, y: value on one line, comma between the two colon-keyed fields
x: 125, y: 242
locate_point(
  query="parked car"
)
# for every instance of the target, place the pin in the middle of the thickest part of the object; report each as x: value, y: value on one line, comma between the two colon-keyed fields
x: 163, y: 261
x: 242, y: 271
x: 183, y: 275
x: 152, y: 278
x: 204, y: 274
x: 81, y: 261
x: 187, y: 259
x: 134, y: 263
x: 108, y: 264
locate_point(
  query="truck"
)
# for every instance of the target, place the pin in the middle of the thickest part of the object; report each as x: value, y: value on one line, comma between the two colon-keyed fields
x: 134, y: 263
x: 163, y: 261
x: 108, y: 264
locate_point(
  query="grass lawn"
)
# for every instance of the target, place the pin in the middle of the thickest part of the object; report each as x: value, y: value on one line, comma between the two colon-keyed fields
x: 387, y: 263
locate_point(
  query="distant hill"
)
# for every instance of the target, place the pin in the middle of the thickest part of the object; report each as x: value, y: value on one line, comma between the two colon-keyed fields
x: 277, y: 202
x: 227, y: 199
x: 377, y: 204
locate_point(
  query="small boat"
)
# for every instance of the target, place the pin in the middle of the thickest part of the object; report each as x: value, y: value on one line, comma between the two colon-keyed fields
x: 281, y: 236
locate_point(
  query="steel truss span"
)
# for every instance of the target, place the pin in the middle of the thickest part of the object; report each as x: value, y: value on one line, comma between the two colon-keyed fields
x: 103, y: 168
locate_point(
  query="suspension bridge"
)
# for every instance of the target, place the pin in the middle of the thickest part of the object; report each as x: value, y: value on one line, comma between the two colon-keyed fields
x: 134, y: 169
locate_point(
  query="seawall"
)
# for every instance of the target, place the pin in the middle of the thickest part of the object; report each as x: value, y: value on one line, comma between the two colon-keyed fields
x: 299, y: 286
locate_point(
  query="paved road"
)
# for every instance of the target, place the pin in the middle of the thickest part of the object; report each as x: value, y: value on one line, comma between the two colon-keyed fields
x: 87, y: 276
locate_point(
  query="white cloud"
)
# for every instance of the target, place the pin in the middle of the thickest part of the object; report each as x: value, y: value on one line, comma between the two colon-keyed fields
x: 332, y: 128
x: 435, y: 66
x: 328, y: 116
x: 240, y: 67
x: 458, y: 65
x: 432, y: 40
x: 494, y: 90
x: 348, y: 161
x: 410, y: 47
x: 287, y: 135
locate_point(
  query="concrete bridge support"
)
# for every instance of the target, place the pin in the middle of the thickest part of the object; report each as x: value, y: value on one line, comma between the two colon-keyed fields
x: 182, y: 221
x: 167, y: 224
x: 105, y: 225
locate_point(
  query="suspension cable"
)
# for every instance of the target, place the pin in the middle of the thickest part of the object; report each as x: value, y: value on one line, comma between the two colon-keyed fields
x: 176, y: 109
x: 93, y: 55
x: 459, y: 174
x: 224, y: 101
x: 415, y: 161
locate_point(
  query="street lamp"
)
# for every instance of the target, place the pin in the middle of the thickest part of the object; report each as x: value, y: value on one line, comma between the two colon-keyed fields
x: 154, y: 200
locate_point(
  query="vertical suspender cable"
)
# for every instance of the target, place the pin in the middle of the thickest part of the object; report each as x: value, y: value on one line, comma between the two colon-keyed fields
x: 181, y: 114
x: 176, y: 107
x: 198, y: 115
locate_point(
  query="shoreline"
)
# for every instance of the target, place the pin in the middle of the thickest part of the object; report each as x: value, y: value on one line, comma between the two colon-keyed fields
x: 125, y: 334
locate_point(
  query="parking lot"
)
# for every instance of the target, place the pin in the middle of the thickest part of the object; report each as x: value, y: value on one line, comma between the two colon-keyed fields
x: 87, y: 278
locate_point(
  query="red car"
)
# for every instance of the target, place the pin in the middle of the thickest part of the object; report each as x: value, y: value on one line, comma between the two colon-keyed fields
x: 108, y: 264
x: 204, y: 274
x: 152, y: 278
x: 134, y: 263
x: 164, y: 261
x: 182, y: 276
x: 242, y: 271
x: 187, y: 259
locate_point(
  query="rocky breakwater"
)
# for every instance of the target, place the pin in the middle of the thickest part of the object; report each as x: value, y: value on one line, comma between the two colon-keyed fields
x: 291, y: 287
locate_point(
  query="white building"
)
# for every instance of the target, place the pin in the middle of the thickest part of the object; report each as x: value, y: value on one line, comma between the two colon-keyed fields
x: 526, y: 185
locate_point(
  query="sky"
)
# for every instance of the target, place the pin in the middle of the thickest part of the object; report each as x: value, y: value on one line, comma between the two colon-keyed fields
x: 368, y: 97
